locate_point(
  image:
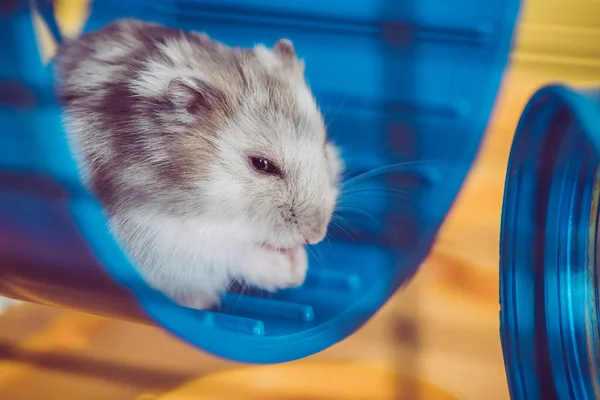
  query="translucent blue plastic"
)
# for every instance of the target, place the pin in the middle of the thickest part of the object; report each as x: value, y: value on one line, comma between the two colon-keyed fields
x: 550, y: 247
x: 407, y: 88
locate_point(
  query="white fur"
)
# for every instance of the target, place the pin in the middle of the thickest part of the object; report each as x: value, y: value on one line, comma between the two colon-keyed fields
x: 194, y: 260
x: 267, y: 58
x: 229, y: 221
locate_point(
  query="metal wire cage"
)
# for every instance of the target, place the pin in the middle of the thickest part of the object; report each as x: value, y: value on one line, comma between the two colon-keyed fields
x: 406, y: 88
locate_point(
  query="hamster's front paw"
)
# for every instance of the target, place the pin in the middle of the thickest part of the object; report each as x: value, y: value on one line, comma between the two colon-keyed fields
x: 273, y: 270
x: 195, y: 299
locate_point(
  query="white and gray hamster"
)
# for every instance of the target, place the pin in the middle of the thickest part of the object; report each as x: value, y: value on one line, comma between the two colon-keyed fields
x: 212, y: 162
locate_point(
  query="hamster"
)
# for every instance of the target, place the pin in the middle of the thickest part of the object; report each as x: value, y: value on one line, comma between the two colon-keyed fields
x: 212, y: 163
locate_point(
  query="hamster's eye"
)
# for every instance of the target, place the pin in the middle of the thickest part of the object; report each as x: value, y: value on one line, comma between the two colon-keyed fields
x: 265, y: 166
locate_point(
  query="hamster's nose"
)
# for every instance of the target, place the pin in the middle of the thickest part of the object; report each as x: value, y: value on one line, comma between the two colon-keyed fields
x: 315, y: 237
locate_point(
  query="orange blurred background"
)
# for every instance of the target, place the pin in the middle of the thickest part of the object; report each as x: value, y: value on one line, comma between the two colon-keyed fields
x: 436, y: 339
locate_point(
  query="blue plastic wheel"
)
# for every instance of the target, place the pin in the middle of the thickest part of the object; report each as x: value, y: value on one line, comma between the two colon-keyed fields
x: 407, y: 88
x: 550, y: 249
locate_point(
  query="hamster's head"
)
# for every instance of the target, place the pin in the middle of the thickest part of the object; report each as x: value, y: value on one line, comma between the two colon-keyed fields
x: 272, y: 170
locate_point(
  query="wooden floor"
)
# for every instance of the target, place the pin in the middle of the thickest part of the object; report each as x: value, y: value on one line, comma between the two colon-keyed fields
x: 442, y: 329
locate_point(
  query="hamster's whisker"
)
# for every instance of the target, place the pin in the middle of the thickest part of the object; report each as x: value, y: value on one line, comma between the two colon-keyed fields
x: 358, y: 211
x: 366, y: 200
x: 321, y: 257
x: 330, y: 120
x: 342, y: 228
x: 396, y: 203
x: 396, y: 167
x: 324, y: 260
x: 379, y: 190
x: 231, y: 283
x: 328, y: 240
x: 244, y: 286
x: 313, y: 253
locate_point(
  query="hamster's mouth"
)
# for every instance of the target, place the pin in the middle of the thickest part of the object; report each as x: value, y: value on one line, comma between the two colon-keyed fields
x: 290, y: 252
x: 284, y: 250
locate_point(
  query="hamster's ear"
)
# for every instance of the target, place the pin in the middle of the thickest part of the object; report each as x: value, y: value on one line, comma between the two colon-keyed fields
x: 196, y: 96
x: 284, y: 48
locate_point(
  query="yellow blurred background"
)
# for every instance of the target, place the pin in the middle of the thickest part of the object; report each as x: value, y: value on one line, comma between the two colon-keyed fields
x: 437, y: 339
